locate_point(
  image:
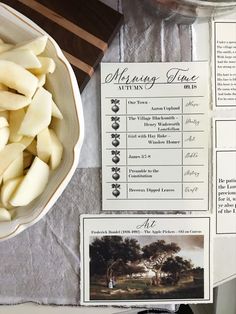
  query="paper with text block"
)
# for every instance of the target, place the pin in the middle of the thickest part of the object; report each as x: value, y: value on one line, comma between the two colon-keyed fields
x: 224, y: 63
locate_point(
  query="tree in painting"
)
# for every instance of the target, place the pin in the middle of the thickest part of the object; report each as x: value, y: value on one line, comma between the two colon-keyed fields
x: 174, y: 266
x: 155, y: 254
x: 110, y: 254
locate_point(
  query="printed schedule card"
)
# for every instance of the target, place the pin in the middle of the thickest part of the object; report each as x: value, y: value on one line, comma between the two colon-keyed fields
x: 155, y: 130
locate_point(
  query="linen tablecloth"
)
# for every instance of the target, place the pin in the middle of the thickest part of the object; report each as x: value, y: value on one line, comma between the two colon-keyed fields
x: 42, y: 264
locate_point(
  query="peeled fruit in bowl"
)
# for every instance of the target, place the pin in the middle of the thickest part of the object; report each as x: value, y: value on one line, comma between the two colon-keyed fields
x: 57, y: 150
x: 29, y: 147
x: 9, y: 154
x: 7, y: 190
x: 11, y: 101
x: 3, y: 122
x: 38, y: 114
x: 5, y: 47
x: 47, y: 65
x: 25, y: 58
x: 4, y: 136
x: 18, y: 78
x: 15, y: 119
x: 27, y: 189
x: 4, y: 215
x: 44, y: 145
x: 15, y: 169
x: 37, y: 46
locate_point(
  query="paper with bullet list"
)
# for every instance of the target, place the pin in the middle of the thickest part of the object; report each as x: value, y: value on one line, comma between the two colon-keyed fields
x: 155, y: 136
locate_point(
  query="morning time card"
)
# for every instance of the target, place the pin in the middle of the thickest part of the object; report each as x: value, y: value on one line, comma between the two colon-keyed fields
x: 136, y: 260
x: 155, y: 131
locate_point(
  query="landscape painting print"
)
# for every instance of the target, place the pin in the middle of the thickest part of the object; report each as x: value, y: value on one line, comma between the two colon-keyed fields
x: 145, y: 260
x: 146, y: 267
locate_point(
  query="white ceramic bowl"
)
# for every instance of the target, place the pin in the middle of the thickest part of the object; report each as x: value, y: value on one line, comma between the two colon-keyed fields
x: 14, y: 27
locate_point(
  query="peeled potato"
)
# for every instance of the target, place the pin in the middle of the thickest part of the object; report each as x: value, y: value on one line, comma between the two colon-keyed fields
x: 38, y: 114
x: 36, y: 45
x: 4, y: 215
x: 56, y: 151
x: 18, y: 78
x: 4, y: 136
x: 7, y: 191
x: 28, y: 190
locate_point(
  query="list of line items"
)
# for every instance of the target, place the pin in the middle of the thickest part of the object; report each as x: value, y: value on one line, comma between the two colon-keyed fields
x: 155, y: 140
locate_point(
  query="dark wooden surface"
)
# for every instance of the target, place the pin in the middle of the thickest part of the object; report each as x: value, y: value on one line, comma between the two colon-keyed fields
x: 91, y: 15
x: 76, y: 16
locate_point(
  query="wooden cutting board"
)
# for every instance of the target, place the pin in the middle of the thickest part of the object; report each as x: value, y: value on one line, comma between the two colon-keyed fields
x: 82, y: 28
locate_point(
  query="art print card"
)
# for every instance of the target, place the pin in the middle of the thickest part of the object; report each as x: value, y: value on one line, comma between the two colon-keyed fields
x: 155, y: 131
x: 136, y: 260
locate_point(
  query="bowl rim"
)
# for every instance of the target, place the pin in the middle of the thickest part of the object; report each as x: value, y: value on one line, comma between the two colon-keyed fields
x: 28, y: 220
